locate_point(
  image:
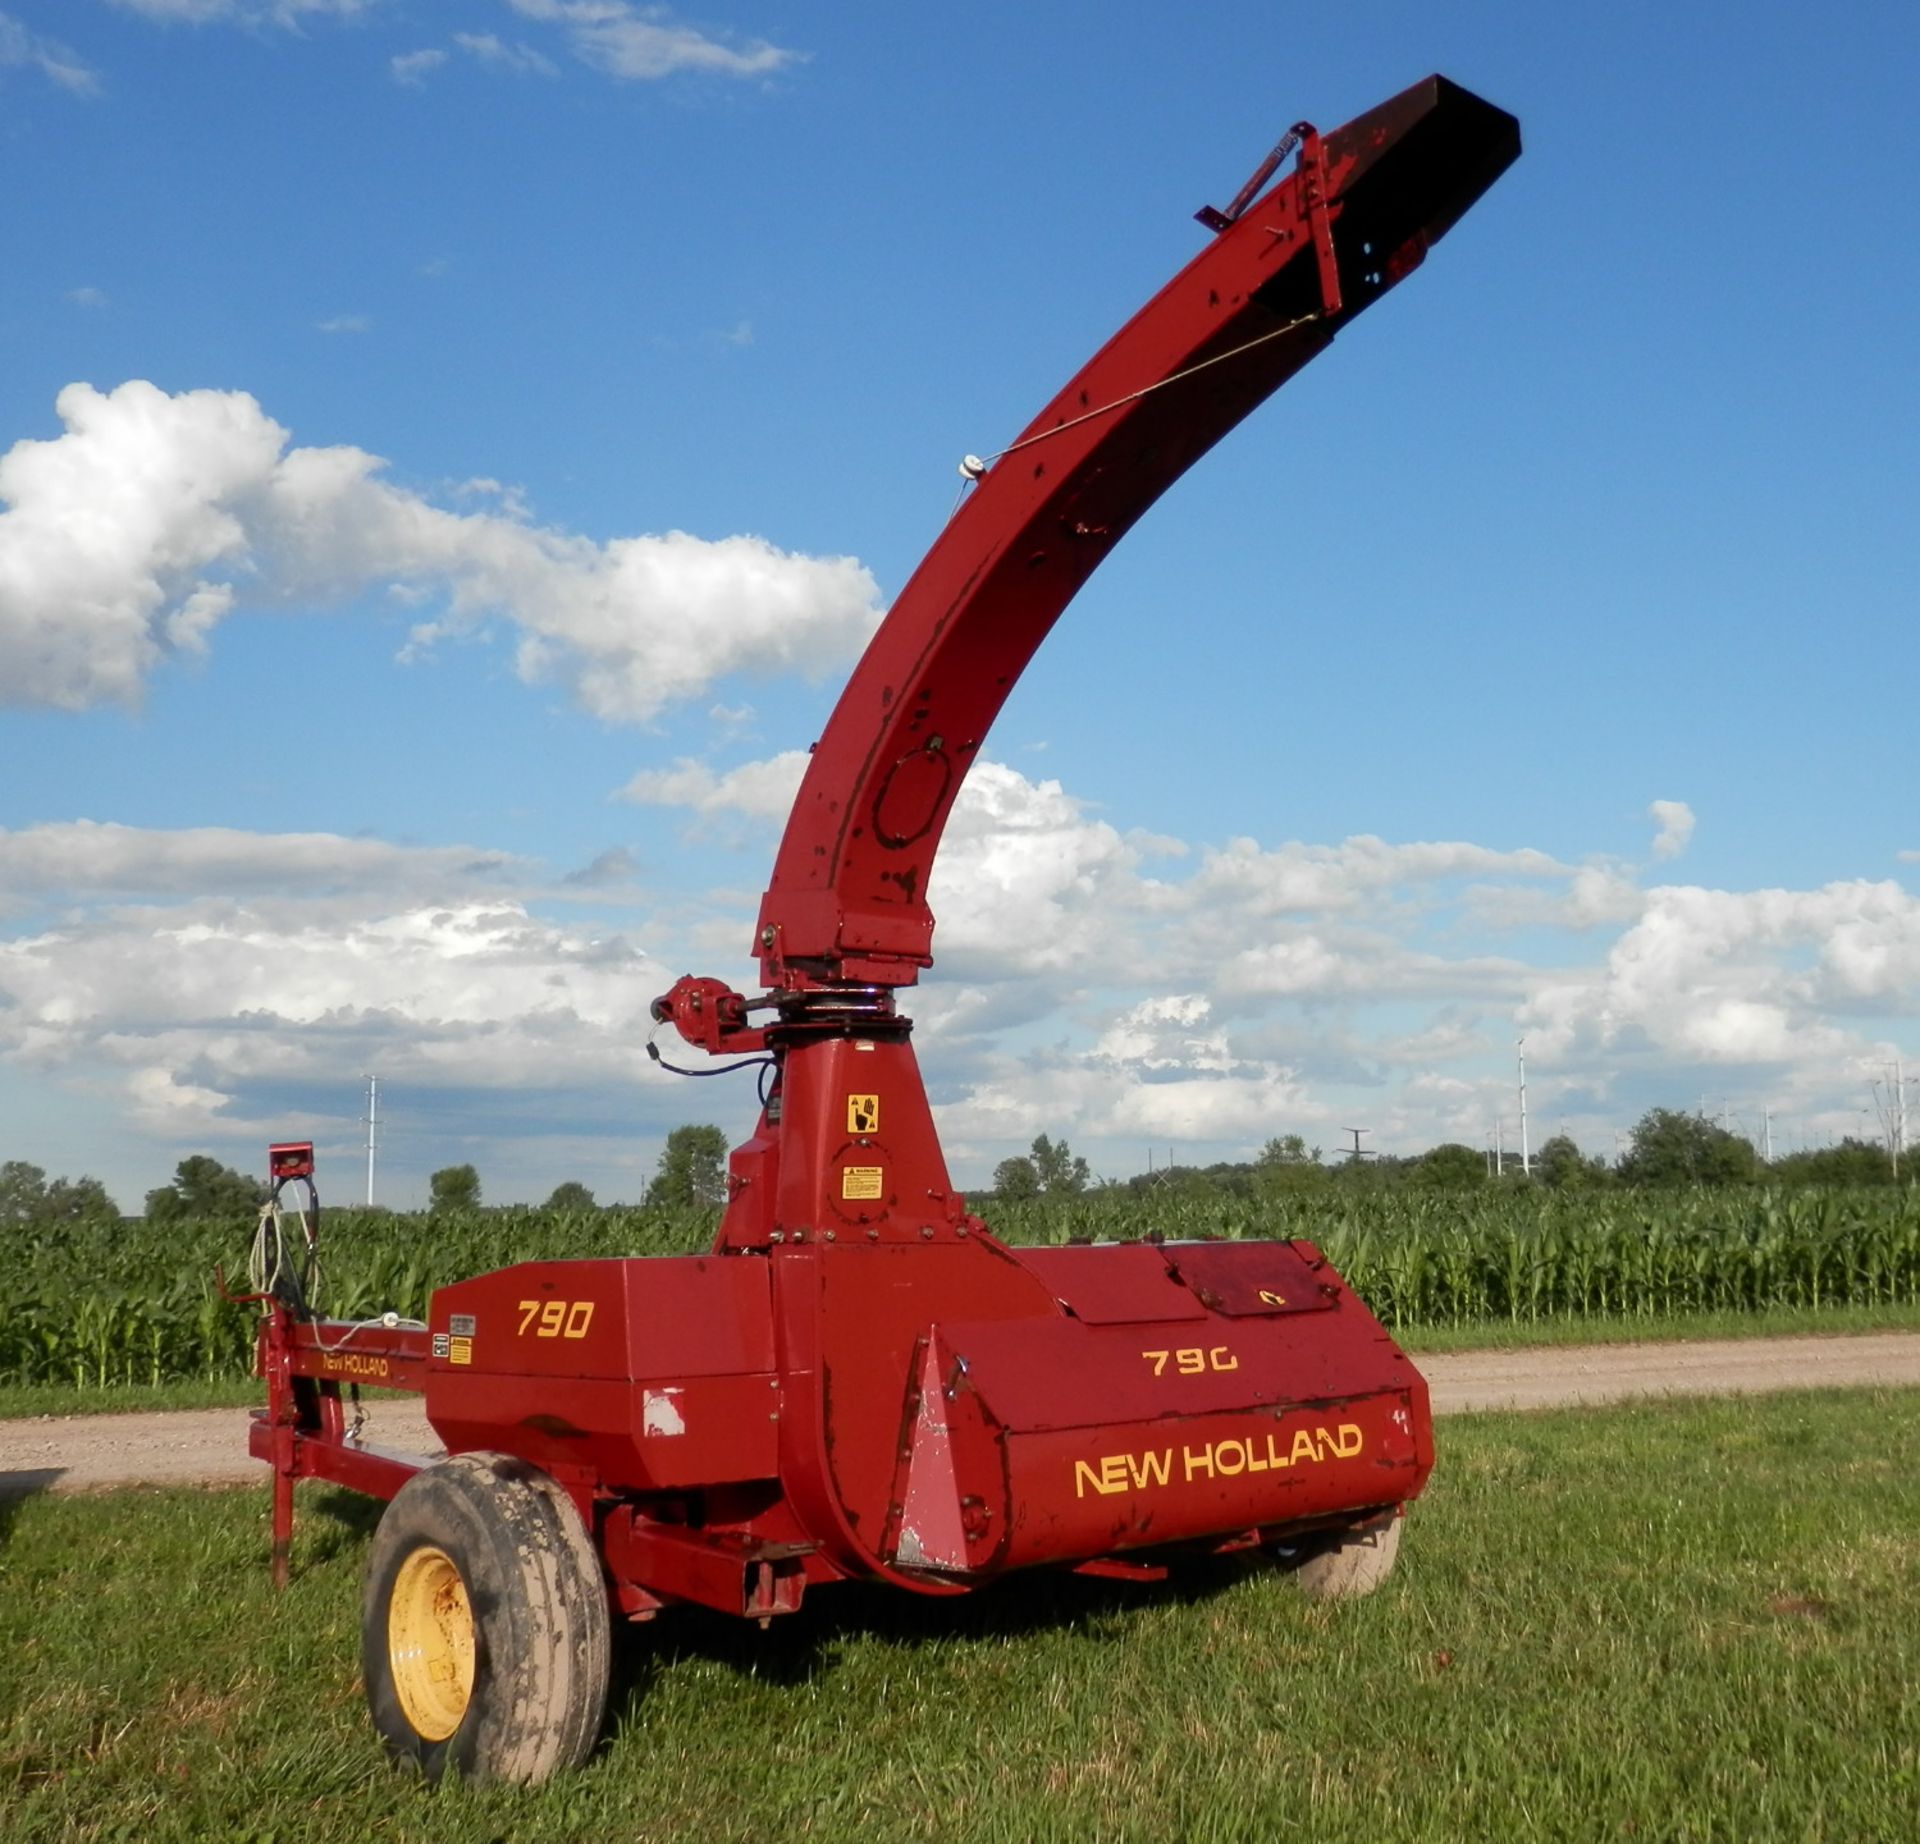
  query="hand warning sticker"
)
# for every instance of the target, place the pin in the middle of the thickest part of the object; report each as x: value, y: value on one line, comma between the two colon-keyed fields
x: 863, y: 1113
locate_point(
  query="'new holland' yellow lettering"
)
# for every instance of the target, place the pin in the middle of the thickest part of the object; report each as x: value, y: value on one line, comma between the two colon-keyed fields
x: 1215, y: 1460
x: 354, y: 1365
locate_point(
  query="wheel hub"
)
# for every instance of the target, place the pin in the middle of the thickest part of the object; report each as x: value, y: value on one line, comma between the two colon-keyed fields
x: 430, y: 1643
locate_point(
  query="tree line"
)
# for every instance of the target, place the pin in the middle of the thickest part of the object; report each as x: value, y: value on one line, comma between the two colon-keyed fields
x: 1667, y: 1148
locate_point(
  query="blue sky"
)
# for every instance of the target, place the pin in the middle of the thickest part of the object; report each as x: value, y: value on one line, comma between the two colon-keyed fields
x: 360, y: 711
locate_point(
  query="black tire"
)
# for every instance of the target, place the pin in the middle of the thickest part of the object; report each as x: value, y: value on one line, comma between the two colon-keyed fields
x: 492, y: 1659
x: 1345, y: 1564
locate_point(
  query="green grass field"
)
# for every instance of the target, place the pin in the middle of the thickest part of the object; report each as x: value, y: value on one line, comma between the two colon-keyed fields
x: 1693, y: 1620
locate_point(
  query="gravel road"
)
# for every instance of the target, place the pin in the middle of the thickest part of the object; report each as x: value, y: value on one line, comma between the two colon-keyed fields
x: 82, y: 1453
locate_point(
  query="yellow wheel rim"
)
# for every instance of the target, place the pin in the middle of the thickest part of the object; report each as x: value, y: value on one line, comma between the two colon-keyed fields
x: 430, y: 1643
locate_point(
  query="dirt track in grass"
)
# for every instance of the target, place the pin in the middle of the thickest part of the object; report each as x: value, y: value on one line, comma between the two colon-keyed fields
x: 82, y: 1453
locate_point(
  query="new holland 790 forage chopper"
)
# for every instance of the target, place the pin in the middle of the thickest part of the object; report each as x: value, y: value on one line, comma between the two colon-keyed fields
x: 860, y: 1381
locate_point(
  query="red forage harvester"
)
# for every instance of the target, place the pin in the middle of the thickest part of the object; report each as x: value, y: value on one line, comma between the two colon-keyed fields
x: 860, y: 1381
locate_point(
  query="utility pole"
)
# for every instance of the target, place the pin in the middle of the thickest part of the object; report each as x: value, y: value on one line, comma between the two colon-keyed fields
x: 1526, y: 1158
x: 1766, y: 1129
x: 1893, y: 1113
x: 1899, y: 1118
x: 1499, y: 1147
x: 373, y: 1125
x: 1356, y: 1152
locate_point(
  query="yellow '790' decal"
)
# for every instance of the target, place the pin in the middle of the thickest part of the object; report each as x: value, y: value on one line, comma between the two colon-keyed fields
x: 557, y: 1318
x: 1194, y: 1360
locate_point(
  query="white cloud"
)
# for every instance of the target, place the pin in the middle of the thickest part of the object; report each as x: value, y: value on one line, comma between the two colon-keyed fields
x: 1448, y: 1038
x: 159, y: 1103
x: 131, y: 535
x: 1594, y: 895
x: 519, y: 60
x: 321, y: 955
x: 1075, y: 992
x: 411, y: 67
x: 1028, y: 883
x: 1111, y: 1105
x: 87, y: 297
x: 488, y: 48
x: 1675, y: 820
x: 644, y: 44
x: 1366, y: 965
x: 21, y: 49
x: 190, y: 1008
x: 345, y: 323
x: 1024, y: 881
x: 1123, y: 990
x: 1740, y: 978
x: 1278, y: 979
x: 613, y: 867
x: 756, y: 790
x: 87, y: 858
x: 1300, y: 878
x: 288, y: 13
x: 1175, y: 1031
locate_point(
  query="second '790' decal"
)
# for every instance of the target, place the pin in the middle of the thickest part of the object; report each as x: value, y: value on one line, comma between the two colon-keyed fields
x: 1194, y: 1360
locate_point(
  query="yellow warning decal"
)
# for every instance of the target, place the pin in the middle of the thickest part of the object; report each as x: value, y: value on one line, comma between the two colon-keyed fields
x: 863, y: 1113
x: 862, y: 1180
x: 460, y: 1351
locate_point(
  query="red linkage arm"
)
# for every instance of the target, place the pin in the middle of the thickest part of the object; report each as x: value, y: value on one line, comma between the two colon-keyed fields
x: 847, y: 903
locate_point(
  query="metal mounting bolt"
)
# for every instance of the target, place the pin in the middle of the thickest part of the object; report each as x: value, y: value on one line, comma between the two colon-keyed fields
x: 769, y: 935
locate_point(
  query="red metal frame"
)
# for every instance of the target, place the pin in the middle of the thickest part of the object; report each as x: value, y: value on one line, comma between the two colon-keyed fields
x: 860, y: 1379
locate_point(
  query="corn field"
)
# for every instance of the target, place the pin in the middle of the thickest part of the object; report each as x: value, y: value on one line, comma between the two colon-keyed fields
x: 135, y: 1304
x: 1450, y: 1259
